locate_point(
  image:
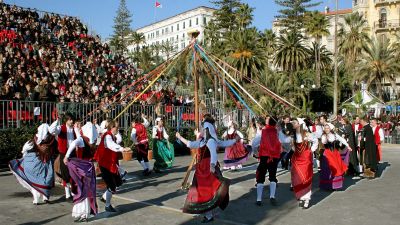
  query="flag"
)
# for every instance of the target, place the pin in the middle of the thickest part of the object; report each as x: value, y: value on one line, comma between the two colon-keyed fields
x: 158, y: 5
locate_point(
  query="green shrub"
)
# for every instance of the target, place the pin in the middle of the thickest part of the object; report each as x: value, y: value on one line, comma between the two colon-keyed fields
x: 12, y: 141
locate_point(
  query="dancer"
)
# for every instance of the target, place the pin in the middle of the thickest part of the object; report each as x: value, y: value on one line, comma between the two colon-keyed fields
x: 163, y: 151
x: 332, y: 165
x: 368, y: 150
x: 302, y: 162
x: 81, y: 169
x: 351, y: 140
x: 236, y: 154
x: 139, y: 138
x: 65, y: 136
x: 209, y: 188
x: 107, y: 158
x: 379, y: 138
x: 34, y: 171
x: 269, y: 153
x: 285, y: 134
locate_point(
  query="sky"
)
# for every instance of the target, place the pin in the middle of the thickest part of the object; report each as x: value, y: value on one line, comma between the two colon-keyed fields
x: 99, y: 14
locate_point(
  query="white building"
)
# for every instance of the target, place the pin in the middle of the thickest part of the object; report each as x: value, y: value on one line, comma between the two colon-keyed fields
x: 175, y: 29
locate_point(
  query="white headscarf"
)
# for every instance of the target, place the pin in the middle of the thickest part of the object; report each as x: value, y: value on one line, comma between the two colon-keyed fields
x: 302, y: 123
x: 42, y: 133
x: 158, y: 120
x: 103, y: 126
x: 331, y: 126
x: 211, y: 130
x: 90, y: 131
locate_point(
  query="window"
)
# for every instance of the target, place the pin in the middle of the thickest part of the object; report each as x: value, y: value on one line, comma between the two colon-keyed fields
x: 184, y: 25
x: 157, y: 33
x: 172, y: 39
x: 177, y: 27
x: 204, y: 21
x: 183, y: 36
x: 172, y: 28
x: 177, y: 37
x: 382, y: 18
x: 190, y: 23
x: 197, y: 21
x: 162, y: 31
x: 166, y: 30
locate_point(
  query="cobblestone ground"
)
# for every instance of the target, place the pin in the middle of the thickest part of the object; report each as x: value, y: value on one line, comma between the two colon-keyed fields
x: 157, y: 199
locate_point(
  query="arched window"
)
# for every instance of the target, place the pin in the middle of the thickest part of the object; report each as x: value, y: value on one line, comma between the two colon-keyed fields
x: 382, y: 18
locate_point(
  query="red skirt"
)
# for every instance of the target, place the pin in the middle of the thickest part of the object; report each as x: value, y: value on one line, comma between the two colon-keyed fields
x: 208, y: 190
x: 302, y: 170
x: 236, y: 151
x: 335, y: 162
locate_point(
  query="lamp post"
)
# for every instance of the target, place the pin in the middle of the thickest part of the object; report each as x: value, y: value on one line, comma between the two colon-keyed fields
x: 307, y: 90
x: 335, y: 73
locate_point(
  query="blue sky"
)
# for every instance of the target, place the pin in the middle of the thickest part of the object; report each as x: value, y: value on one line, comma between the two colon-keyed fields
x: 99, y: 14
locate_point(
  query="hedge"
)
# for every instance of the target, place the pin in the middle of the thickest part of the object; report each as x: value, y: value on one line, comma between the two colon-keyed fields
x: 11, y: 142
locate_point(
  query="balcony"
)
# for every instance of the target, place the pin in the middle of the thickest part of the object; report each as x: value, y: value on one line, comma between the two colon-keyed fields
x: 386, y: 2
x: 386, y: 25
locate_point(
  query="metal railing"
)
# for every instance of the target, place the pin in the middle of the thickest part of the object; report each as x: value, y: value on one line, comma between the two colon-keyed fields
x: 15, y: 113
x: 387, y: 24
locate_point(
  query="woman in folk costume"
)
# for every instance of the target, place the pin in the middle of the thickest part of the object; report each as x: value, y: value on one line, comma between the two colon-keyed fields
x: 305, y: 144
x: 81, y: 169
x: 333, y: 167
x: 236, y: 154
x: 139, y: 138
x: 163, y: 151
x: 65, y: 136
x: 107, y: 158
x: 34, y: 170
x: 348, y: 134
x: 209, y: 188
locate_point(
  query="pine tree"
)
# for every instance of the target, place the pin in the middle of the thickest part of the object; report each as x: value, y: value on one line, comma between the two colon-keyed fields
x: 292, y: 16
x: 122, y: 28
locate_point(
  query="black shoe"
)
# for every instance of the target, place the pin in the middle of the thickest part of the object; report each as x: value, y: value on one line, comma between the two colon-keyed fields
x: 273, y: 201
x: 146, y: 172
x: 102, y: 199
x: 110, y: 209
x: 81, y: 220
x: 157, y: 171
x: 70, y: 200
x: 258, y: 203
x: 206, y: 220
x: 46, y: 202
x: 291, y: 188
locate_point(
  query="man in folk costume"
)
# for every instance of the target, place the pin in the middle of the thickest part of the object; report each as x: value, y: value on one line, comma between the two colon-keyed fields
x: 357, y: 128
x: 107, y: 158
x: 163, y: 151
x: 65, y: 136
x: 34, y: 171
x: 302, y: 162
x: 209, y: 188
x: 368, y: 149
x: 269, y: 154
x: 379, y: 138
x: 236, y: 154
x: 348, y: 134
x: 81, y: 169
x: 139, y: 138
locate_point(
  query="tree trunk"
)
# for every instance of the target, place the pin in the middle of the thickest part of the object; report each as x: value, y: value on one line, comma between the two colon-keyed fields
x: 318, y: 65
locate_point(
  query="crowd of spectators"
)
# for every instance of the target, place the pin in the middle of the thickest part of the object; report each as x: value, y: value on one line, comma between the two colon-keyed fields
x: 50, y: 57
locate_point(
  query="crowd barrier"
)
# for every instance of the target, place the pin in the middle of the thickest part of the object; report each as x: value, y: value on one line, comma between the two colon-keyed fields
x: 15, y: 114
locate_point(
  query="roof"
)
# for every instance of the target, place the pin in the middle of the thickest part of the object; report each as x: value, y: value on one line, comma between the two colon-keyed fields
x: 206, y: 7
x: 339, y: 12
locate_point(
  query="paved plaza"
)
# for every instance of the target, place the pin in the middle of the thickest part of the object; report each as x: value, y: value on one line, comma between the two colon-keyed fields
x: 157, y: 199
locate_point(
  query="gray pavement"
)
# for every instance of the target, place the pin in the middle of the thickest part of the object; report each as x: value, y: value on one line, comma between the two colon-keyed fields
x: 157, y: 199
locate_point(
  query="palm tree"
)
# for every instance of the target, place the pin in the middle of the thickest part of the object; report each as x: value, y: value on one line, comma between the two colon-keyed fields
x: 244, y: 16
x: 317, y: 26
x: 324, y: 58
x: 245, y: 52
x: 353, y: 37
x: 167, y: 48
x: 292, y: 55
x: 268, y: 38
x: 137, y: 39
x: 378, y: 65
x: 156, y: 49
x: 145, y: 58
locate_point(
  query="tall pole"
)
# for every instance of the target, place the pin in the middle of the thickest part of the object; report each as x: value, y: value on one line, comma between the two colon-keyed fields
x: 335, y: 75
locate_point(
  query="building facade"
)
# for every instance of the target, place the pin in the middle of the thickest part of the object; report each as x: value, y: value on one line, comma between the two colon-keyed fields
x: 175, y: 29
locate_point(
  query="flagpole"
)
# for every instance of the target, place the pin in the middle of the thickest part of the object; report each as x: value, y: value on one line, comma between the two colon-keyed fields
x: 155, y: 10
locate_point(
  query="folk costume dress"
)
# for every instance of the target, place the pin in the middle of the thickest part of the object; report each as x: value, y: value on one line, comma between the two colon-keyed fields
x: 302, y: 166
x: 139, y: 138
x: 333, y: 166
x: 369, y: 151
x: 34, y: 171
x: 208, y: 190
x: 379, y: 138
x: 83, y: 174
x: 163, y: 150
x: 236, y: 154
x: 65, y: 136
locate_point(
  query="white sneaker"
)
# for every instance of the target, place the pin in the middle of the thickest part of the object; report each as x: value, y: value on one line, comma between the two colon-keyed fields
x: 239, y: 167
x: 233, y: 168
